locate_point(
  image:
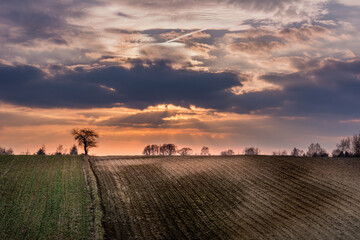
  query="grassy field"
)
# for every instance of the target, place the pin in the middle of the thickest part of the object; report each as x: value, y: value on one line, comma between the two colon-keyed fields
x: 235, y: 197
x: 43, y: 197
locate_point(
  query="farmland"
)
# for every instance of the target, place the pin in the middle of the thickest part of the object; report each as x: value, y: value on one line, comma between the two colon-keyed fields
x: 232, y: 197
x: 43, y: 197
x: 188, y: 197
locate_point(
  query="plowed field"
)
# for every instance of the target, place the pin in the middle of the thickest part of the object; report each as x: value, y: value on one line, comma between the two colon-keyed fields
x: 235, y: 197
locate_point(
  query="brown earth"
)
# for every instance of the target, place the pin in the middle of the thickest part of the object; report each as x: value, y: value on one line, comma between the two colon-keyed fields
x: 235, y: 197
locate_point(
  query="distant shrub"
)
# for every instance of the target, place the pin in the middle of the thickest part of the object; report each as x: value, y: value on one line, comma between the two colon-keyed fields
x: 185, y: 151
x: 147, y: 150
x: 205, y: 151
x: 4, y: 151
x: 60, y: 150
x: 297, y: 152
x: 280, y: 153
x: 41, y: 151
x: 168, y: 149
x: 251, y: 151
x: 356, y: 145
x: 227, y: 153
x: 315, y: 150
x: 73, y: 150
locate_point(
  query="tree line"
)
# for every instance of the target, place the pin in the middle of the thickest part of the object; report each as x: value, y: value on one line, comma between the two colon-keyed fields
x: 347, y: 147
x: 169, y: 149
x: 87, y: 138
x: 60, y: 150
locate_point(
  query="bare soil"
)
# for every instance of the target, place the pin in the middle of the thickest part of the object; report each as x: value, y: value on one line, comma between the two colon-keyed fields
x: 235, y: 197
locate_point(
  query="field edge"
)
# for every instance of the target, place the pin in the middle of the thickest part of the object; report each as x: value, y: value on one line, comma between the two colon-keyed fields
x: 96, y: 208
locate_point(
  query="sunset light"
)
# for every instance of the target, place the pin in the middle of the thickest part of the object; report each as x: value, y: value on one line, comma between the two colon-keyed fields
x: 272, y: 74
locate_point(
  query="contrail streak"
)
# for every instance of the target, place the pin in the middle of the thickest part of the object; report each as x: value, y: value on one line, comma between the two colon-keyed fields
x: 169, y: 41
x: 185, y: 35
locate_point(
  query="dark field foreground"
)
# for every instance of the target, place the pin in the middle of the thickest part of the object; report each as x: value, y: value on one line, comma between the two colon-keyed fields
x: 43, y: 197
x: 229, y: 197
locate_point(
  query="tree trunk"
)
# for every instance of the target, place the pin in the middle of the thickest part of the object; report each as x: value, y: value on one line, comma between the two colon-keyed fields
x: 85, y: 149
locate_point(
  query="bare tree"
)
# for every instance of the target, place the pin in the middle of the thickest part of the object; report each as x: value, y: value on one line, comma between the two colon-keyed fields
x: 162, y: 149
x: 227, y: 153
x: 315, y: 150
x: 185, y: 151
x: 337, y: 153
x: 168, y: 149
x: 60, y: 150
x: 171, y: 149
x: 251, y: 151
x: 205, y: 151
x: 297, y: 152
x: 280, y: 153
x: 86, y: 138
x: 154, y: 149
x: 4, y: 151
x: 356, y: 145
x: 41, y: 151
x: 73, y: 150
x: 147, y: 150
x: 344, y: 145
x: 343, y: 149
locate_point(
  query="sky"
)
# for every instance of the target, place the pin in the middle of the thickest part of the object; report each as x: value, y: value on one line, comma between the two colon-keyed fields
x: 274, y: 74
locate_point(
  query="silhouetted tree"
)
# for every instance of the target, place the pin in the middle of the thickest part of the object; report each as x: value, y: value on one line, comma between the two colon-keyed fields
x: 147, y: 150
x: 73, y: 150
x: 251, y: 151
x: 185, y: 151
x: 315, y: 150
x: 41, y: 151
x: 356, y: 145
x: 343, y: 148
x: 154, y: 149
x: 86, y: 138
x: 344, y: 145
x: 297, y: 152
x: 205, y: 151
x: 227, y: 153
x: 168, y: 149
x: 162, y: 149
x: 280, y: 153
x: 337, y: 153
x: 60, y: 150
x: 4, y: 151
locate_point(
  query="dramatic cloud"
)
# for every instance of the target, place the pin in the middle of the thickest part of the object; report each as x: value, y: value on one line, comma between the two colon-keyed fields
x: 208, y: 70
x: 332, y: 89
x: 136, y: 87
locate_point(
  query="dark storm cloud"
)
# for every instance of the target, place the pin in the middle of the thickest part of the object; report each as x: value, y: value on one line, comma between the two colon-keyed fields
x: 138, y: 87
x: 28, y: 86
x: 331, y: 89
